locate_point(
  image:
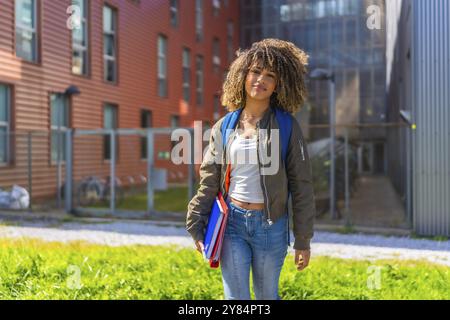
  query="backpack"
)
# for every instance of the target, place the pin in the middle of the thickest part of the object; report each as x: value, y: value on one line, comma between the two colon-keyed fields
x: 284, y: 122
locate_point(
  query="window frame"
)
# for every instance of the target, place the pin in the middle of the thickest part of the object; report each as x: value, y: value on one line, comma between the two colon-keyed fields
x: 162, y: 79
x: 199, y: 32
x: 186, y: 72
x: 230, y: 37
x: 114, y: 107
x: 174, y: 13
x: 7, y: 124
x: 115, y: 33
x: 85, y: 19
x: 216, y: 61
x: 200, y: 81
x: 174, y: 124
x: 149, y: 124
x: 215, y: 7
x: 58, y: 128
x: 36, y: 32
x: 216, y: 107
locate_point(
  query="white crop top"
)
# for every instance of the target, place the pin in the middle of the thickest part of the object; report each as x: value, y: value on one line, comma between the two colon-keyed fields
x: 245, y: 181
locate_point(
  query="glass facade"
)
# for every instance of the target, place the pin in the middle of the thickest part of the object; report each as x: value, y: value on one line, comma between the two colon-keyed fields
x: 337, y: 35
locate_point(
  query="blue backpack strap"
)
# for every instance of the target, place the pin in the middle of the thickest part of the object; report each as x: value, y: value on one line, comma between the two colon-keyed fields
x: 284, y: 120
x: 229, y: 122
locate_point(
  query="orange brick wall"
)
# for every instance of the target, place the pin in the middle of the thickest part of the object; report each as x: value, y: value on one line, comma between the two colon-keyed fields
x: 138, y: 28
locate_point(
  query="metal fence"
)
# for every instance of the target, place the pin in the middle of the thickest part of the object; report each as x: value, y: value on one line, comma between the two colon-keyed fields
x: 371, y: 186
x: 119, y: 172
x: 83, y: 163
x: 106, y: 172
x: 29, y: 161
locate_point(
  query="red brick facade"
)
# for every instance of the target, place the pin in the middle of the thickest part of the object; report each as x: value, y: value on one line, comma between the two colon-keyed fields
x: 139, y: 25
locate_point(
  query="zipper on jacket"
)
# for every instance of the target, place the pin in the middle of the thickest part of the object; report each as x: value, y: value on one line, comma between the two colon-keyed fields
x: 301, y: 148
x: 269, y: 221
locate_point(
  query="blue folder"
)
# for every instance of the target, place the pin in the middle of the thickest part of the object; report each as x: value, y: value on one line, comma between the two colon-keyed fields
x: 213, y: 227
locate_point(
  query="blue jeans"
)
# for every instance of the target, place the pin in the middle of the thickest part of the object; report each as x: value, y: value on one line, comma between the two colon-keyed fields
x: 251, y: 242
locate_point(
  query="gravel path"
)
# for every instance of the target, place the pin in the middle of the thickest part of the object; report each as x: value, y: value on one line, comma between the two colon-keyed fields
x: 350, y: 246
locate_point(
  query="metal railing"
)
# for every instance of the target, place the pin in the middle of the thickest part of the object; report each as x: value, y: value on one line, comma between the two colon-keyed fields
x: 373, y: 163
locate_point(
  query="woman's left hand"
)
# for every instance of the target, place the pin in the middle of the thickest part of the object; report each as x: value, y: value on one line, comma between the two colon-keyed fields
x: 302, y: 259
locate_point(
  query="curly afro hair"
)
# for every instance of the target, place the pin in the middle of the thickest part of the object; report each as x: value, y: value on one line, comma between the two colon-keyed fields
x: 279, y: 56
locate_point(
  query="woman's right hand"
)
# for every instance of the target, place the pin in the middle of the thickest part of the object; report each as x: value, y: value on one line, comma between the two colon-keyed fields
x: 200, y: 246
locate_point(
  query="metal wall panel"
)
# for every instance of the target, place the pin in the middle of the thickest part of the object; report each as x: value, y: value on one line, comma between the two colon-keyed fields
x: 431, y: 113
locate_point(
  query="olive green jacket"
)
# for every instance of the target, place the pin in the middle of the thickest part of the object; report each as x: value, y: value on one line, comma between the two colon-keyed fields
x: 294, y: 176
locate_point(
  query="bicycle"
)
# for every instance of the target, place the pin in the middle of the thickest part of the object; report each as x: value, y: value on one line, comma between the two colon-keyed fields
x: 93, y: 190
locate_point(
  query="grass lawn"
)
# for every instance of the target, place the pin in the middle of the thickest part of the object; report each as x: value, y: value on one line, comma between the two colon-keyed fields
x: 31, y: 269
x: 174, y: 199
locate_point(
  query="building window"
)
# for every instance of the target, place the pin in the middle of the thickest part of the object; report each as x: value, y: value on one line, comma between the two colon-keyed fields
x: 199, y: 73
x: 110, y: 44
x: 110, y: 121
x: 319, y: 9
x: 26, y: 30
x: 351, y: 33
x: 186, y: 75
x: 216, y: 7
x: 174, y: 123
x: 80, y: 40
x: 60, y: 120
x: 199, y: 20
x: 5, y: 107
x: 230, y: 47
x: 146, y: 122
x: 216, y: 55
x: 216, y: 111
x: 174, y: 9
x: 162, y: 66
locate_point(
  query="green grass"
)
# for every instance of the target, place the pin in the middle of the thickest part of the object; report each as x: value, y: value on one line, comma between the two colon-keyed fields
x: 174, y: 199
x: 31, y: 269
x: 434, y: 238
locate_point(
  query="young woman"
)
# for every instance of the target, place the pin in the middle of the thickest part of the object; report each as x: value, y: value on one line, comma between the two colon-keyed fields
x: 269, y: 75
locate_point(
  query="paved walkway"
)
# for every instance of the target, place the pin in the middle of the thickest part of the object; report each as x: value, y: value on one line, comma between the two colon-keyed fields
x: 346, y: 246
x: 375, y: 203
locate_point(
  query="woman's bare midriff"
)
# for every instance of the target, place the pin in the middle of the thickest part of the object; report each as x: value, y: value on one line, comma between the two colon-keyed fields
x: 248, y: 205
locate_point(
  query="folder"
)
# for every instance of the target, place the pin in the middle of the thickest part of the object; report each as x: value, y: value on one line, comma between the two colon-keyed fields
x: 215, y: 258
x: 215, y: 230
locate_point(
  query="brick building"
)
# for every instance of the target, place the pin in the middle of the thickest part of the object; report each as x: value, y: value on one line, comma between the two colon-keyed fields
x: 105, y: 64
